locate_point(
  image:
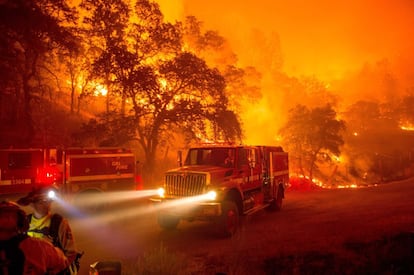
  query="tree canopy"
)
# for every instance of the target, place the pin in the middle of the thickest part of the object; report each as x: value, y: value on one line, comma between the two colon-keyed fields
x: 161, y: 86
x: 31, y: 31
x: 154, y: 86
x: 312, y: 136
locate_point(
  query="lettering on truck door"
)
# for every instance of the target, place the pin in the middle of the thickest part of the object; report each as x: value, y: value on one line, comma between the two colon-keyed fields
x: 250, y: 168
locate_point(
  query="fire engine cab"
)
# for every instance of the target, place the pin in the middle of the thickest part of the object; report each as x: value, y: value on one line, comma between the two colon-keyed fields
x: 70, y: 170
x: 220, y: 183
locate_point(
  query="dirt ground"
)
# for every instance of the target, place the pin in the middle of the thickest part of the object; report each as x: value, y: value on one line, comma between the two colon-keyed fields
x: 347, y: 231
x: 342, y: 231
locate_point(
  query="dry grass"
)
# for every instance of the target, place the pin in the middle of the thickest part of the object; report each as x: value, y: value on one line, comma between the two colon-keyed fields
x: 389, y: 255
x: 156, y: 261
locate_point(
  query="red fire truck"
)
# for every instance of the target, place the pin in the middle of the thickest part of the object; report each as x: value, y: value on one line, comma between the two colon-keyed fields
x: 220, y: 183
x: 70, y: 170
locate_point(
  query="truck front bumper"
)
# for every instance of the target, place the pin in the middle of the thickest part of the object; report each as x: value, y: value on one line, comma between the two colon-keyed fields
x: 186, y: 209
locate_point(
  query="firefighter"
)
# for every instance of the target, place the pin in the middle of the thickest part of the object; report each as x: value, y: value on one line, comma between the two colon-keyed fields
x: 51, y: 226
x: 22, y: 254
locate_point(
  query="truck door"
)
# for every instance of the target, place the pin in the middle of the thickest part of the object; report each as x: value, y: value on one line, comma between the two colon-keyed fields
x: 250, y: 168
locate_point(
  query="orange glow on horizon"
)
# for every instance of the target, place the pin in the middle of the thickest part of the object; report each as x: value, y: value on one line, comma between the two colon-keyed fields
x: 338, y: 43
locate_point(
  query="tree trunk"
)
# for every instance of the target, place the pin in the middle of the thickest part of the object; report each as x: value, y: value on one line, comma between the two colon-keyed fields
x: 72, y: 95
x: 28, y: 131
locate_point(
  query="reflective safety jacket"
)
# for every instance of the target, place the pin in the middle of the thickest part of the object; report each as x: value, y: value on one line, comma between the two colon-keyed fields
x: 63, y: 238
x: 55, y: 229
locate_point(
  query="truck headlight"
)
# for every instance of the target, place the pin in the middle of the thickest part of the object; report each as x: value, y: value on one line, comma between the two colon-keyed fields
x: 211, y: 195
x: 161, y: 192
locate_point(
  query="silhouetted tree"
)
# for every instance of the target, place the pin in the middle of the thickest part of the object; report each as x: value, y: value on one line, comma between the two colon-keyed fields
x: 31, y: 30
x: 107, y: 129
x: 407, y: 109
x: 164, y: 87
x: 242, y: 83
x: 105, y: 23
x: 312, y: 136
x: 375, y: 143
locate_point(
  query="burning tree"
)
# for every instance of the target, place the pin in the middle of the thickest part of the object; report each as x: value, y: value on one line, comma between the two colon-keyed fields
x: 241, y: 83
x: 371, y: 126
x: 161, y: 86
x: 312, y: 136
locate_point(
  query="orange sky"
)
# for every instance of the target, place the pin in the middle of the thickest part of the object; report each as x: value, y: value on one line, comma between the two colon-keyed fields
x: 328, y: 39
x: 323, y: 37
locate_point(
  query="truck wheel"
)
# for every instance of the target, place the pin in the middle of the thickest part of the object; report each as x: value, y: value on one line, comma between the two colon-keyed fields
x: 276, y: 204
x: 168, y: 222
x: 228, y: 222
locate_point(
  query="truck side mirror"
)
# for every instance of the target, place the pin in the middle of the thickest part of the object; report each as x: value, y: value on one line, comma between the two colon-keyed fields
x: 180, y: 158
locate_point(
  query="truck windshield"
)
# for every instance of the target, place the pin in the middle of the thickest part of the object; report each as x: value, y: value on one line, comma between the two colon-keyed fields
x: 223, y: 157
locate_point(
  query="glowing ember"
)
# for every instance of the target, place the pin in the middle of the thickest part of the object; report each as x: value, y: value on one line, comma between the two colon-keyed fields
x: 407, y: 127
x: 100, y: 90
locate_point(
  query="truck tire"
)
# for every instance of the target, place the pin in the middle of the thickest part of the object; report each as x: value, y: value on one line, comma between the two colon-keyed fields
x: 276, y: 203
x: 168, y: 222
x: 228, y: 222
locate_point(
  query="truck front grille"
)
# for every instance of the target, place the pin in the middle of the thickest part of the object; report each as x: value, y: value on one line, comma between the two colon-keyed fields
x: 185, y: 185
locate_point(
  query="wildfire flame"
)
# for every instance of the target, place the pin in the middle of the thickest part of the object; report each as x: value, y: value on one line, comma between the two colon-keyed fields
x: 407, y: 127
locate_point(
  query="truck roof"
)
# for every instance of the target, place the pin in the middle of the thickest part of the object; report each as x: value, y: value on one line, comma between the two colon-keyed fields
x: 227, y: 145
x: 96, y: 150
